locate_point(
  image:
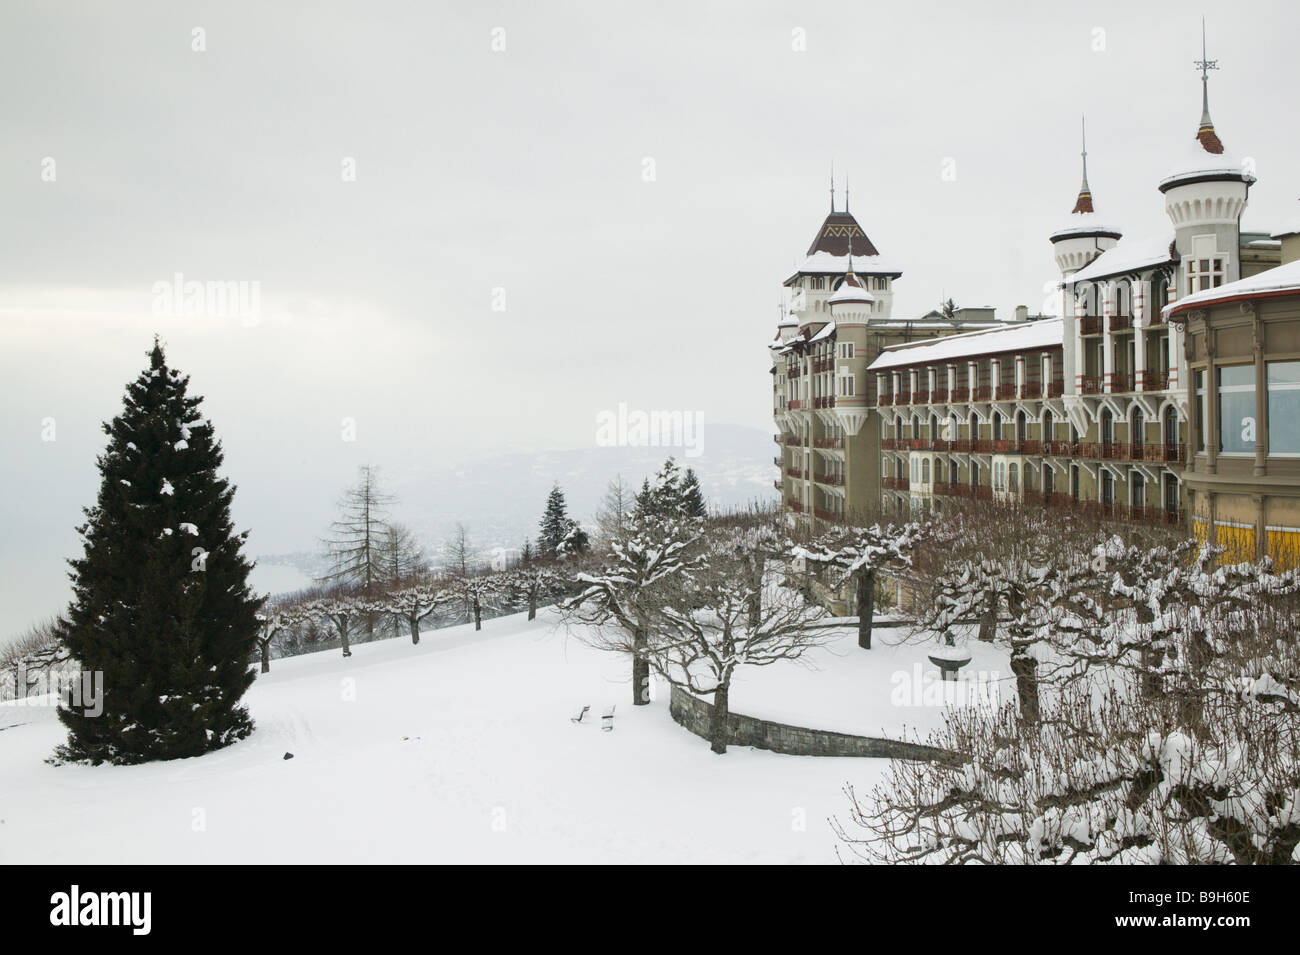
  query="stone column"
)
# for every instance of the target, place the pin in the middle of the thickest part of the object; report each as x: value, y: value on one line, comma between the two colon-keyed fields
x: 1261, y: 391
x: 1139, y: 357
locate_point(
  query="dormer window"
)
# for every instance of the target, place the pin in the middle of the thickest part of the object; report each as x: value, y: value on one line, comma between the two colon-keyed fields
x: 817, y: 283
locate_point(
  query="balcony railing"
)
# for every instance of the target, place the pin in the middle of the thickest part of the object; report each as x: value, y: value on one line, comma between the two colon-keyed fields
x: 1056, y: 389
x: 921, y: 397
x: 938, y: 396
x: 1031, y: 389
x: 963, y: 445
x: 919, y: 444
x: 795, y: 404
x: 1006, y: 392
x: 1090, y: 385
x: 983, y: 393
x: 824, y: 515
x: 834, y: 444
x: 884, y: 401
x: 982, y: 446
x: 1121, y: 381
x: 1119, y: 323
x: 835, y: 479
x: 1061, y: 449
x: 796, y: 473
x: 1155, y: 380
x: 960, y: 394
x: 796, y: 506
x: 778, y: 461
x: 1090, y: 325
x: 939, y: 444
x: 894, y: 483
x: 889, y: 444
x: 792, y: 441
x: 1003, y: 446
x: 1029, y: 447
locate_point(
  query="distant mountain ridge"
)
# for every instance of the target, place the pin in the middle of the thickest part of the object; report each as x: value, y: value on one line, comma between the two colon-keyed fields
x: 500, y: 498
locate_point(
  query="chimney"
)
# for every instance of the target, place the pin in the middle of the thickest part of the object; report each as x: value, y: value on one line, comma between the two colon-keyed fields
x: 1022, y: 313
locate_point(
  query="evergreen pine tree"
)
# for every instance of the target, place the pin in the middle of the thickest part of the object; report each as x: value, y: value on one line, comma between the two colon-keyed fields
x: 554, y: 525
x: 692, y: 497
x: 161, y: 603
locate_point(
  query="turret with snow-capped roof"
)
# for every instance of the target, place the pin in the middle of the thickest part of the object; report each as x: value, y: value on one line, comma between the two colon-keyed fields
x: 1084, y: 235
x: 1205, y: 194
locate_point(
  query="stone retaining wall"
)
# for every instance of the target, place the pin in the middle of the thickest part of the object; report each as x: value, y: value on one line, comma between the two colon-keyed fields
x: 695, y: 714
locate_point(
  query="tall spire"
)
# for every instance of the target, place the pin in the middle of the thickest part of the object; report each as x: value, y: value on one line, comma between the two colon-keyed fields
x: 846, y: 201
x: 1206, y: 135
x: 832, y: 187
x: 1084, y: 202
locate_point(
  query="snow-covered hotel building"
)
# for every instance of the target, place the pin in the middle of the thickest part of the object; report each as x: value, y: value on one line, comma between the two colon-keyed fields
x: 1125, y: 405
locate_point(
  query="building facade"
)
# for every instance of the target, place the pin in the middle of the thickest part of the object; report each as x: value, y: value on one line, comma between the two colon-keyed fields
x: 1093, y: 409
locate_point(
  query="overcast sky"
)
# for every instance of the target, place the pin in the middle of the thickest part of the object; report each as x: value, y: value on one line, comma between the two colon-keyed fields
x: 127, y: 156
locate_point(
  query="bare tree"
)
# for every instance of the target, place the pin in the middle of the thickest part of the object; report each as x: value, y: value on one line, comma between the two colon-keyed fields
x: 721, y: 617
x: 857, y: 554
x: 355, y: 546
x: 618, y: 600
x: 613, y: 515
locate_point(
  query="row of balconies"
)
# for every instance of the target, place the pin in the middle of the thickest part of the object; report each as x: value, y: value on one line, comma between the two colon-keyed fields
x: 1028, y: 390
x: 1122, y: 381
x: 1093, y: 324
x: 1100, y: 450
x: 803, y: 404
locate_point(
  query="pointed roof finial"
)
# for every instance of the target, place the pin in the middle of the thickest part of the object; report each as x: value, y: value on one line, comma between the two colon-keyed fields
x: 846, y: 198
x: 832, y: 187
x: 1084, y: 201
x: 1205, y: 134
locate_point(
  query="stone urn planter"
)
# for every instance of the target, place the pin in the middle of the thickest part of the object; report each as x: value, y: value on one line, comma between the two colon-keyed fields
x: 949, y: 660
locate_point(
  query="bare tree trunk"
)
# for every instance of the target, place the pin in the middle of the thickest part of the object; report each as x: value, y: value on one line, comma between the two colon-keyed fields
x: 866, y: 606
x: 989, y: 625
x: 343, y: 635
x: 532, y: 602
x: 718, y: 721
x: 478, y: 614
x: 415, y: 631
x: 266, y: 656
x: 640, y: 669
x: 1026, y: 670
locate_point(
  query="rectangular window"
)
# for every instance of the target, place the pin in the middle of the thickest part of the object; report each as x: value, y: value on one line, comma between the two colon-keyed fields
x: 1236, y: 407
x: 1204, y: 273
x: 1198, y: 379
x: 1284, y: 407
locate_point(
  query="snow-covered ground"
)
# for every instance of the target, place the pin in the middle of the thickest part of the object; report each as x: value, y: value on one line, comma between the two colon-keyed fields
x: 461, y: 750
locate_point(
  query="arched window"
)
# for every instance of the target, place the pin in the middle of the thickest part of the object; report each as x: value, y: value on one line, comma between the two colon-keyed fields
x: 1171, y: 430
x: 1022, y: 428
x: 997, y: 426
x: 1107, y: 428
x: 925, y: 470
x: 1138, y: 428
x: 916, y: 427
x: 1048, y: 434
x: 974, y: 474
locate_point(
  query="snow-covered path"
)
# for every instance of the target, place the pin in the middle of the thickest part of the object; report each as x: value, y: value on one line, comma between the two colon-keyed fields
x: 458, y: 750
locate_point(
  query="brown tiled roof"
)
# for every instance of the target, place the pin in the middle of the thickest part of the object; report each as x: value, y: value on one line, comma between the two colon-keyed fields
x: 1083, y: 203
x: 1209, y: 139
x: 834, y: 235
